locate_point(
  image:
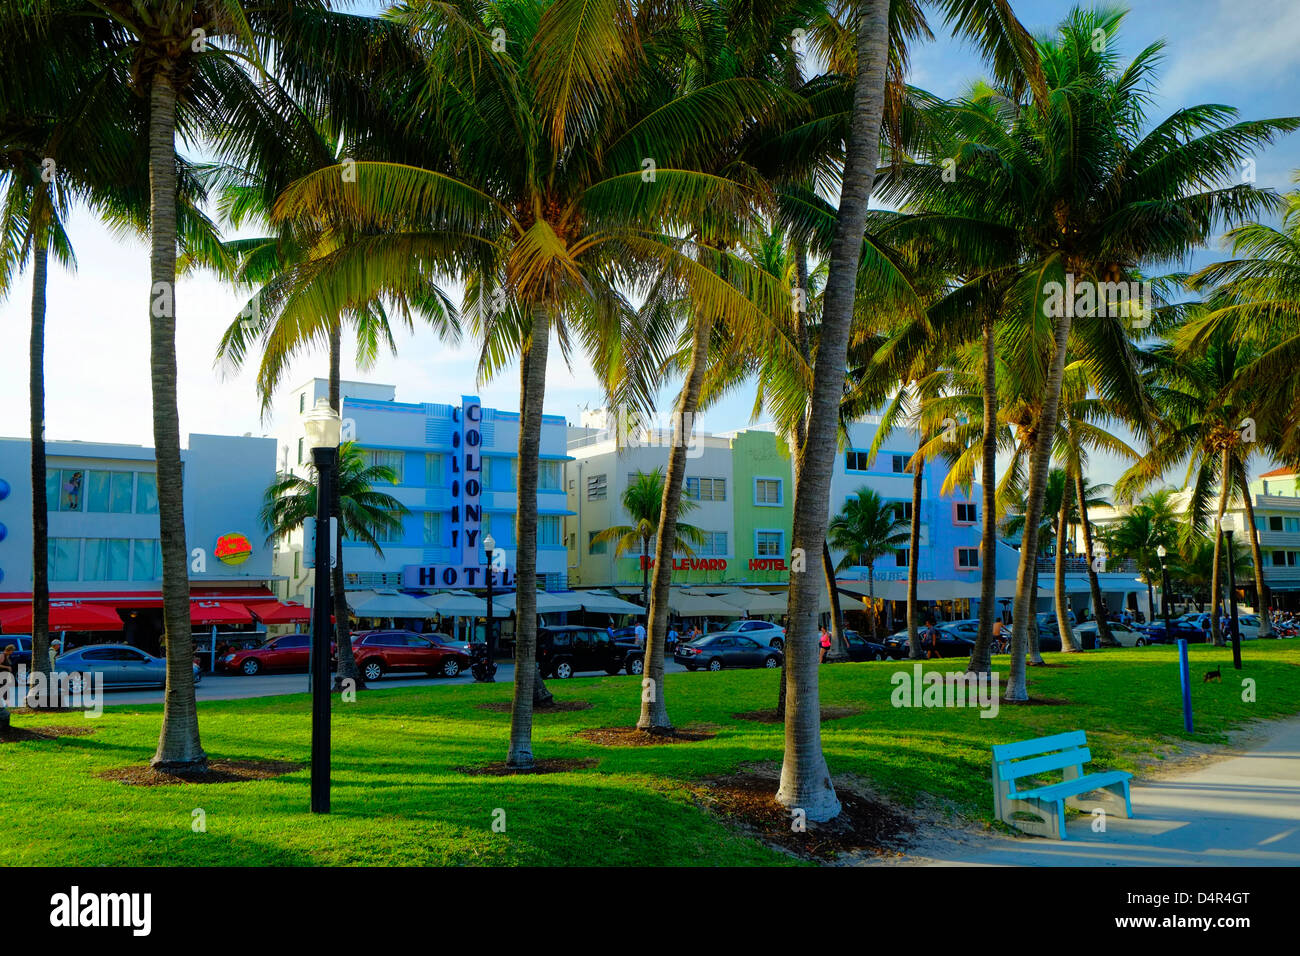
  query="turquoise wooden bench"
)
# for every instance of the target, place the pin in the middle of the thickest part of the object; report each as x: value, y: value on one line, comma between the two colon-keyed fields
x: 1041, y: 809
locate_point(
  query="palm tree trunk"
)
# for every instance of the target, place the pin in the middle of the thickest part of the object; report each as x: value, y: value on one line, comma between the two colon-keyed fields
x: 805, y: 779
x: 913, y: 575
x: 178, y: 741
x: 839, y: 642
x: 40, y: 504
x: 981, y: 660
x: 532, y: 394
x: 1040, y: 463
x: 1104, y: 637
x: 1225, y: 480
x: 1068, y: 644
x: 347, y: 664
x: 796, y: 440
x: 654, y: 711
x: 1257, y: 557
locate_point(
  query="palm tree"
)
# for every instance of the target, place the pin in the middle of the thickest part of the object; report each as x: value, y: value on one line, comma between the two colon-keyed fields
x: 1079, y: 185
x: 1141, y: 532
x: 643, y: 501
x: 369, y: 514
x: 867, y: 529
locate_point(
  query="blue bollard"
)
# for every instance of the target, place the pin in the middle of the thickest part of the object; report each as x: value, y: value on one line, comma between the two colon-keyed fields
x: 1185, y: 675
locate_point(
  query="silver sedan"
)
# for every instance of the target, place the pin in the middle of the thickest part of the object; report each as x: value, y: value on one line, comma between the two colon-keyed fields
x: 121, y: 664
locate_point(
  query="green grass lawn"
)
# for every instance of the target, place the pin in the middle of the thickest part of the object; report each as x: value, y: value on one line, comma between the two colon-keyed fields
x: 398, y: 798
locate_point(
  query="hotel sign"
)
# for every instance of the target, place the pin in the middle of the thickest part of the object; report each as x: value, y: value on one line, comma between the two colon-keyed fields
x: 464, y: 569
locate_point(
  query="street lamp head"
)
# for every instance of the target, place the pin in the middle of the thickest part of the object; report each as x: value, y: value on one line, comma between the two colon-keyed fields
x: 1162, y: 551
x: 489, y: 544
x: 323, y: 425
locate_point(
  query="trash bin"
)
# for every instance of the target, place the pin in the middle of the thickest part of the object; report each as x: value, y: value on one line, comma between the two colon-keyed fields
x: 1088, y: 640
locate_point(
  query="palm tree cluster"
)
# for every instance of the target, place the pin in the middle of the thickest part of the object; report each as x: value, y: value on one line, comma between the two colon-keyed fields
x: 677, y: 190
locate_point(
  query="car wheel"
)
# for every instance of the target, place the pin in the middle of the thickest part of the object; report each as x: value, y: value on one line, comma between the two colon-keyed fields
x: 564, y: 670
x: 778, y: 644
x: 1140, y: 642
x: 715, y: 664
x: 250, y: 667
x: 372, y: 670
x: 636, y: 666
x: 76, y: 684
x: 878, y: 656
x: 690, y: 667
x: 450, y: 667
x: 770, y: 661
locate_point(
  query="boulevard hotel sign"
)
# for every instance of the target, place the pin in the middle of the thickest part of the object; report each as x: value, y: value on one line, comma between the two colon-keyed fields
x: 464, y: 569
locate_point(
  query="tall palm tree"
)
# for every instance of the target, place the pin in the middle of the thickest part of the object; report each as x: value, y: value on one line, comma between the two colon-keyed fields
x: 1079, y: 184
x: 867, y: 529
x: 1140, y: 532
x: 369, y: 514
x: 643, y: 501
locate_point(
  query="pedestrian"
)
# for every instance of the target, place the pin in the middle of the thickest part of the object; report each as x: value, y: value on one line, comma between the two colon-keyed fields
x: 640, y: 634
x: 6, y: 658
x: 56, y: 648
x: 671, y: 641
x: 825, y: 643
x: 997, y: 636
x: 930, y: 639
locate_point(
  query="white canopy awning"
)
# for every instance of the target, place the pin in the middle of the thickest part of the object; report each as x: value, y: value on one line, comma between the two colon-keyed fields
x: 685, y: 604
x: 387, y: 603
x: 895, y: 590
x: 547, y: 603
x: 756, y: 601
x: 602, y: 602
x: 463, y: 604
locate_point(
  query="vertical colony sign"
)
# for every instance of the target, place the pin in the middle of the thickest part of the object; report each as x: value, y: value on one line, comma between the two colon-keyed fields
x: 465, y: 569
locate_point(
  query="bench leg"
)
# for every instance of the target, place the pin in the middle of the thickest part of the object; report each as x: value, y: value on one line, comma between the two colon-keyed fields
x: 1112, y: 799
x: 1049, y: 822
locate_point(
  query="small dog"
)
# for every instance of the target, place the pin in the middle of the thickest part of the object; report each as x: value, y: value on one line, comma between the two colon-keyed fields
x: 1216, y: 674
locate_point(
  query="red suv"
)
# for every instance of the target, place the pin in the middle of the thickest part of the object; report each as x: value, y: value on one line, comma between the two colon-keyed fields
x: 284, y: 653
x: 378, y: 652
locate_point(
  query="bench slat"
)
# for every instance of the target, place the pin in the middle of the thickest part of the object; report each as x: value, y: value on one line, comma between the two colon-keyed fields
x: 1070, y: 788
x: 1036, y: 765
x: 1029, y: 748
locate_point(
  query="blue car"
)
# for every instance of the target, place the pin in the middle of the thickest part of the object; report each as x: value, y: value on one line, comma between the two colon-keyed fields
x: 121, y: 664
x: 22, y: 648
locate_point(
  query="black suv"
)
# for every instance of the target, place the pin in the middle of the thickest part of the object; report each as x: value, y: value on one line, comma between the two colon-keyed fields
x: 564, y: 651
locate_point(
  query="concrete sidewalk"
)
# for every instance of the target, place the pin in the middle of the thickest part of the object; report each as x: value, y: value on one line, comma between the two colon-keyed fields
x: 1239, y: 811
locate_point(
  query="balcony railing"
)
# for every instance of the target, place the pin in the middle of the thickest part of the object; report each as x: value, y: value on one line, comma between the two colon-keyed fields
x: 1079, y: 565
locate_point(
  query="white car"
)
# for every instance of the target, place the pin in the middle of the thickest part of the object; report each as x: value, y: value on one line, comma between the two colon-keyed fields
x: 765, y: 632
x: 1126, y: 636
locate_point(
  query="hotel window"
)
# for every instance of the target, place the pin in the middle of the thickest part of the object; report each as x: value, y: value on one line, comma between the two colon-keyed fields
x: 1274, y: 522
x: 432, y: 529
x: 594, y: 546
x: 856, y: 460
x: 965, y: 513
x: 901, y: 557
x: 65, y: 559
x: 499, y: 474
x: 548, y: 530
x: 391, y: 534
x: 597, y: 487
x: 396, y: 460
x: 706, y: 489
x: 1292, y: 525
x: 300, y: 459
x: 1284, y: 559
x: 714, y: 545
x: 767, y: 491
x: 550, y: 476
x: 769, y: 544
x: 899, y: 463
x: 903, y: 511
x: 968, y: 557
x: 65, y: 490
x: 302, y: 402
x: 146, y: 493
x: 146, y: 560
x: 107, y: 559
x: 433, y: 473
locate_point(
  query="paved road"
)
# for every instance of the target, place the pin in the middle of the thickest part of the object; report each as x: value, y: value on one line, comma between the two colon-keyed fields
x: 228, y: 687
x: 1240, y: 811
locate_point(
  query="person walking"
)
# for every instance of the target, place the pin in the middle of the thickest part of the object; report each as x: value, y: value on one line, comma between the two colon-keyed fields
x: 930, y: 640
x: 640, y: 634
x: 825, y: 642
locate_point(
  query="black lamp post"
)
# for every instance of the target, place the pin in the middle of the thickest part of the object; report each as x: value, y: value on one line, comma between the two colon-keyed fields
x: 324, y: 429
x: 1232, y: 604
x: 487, y: 673
x: 1161, y: 551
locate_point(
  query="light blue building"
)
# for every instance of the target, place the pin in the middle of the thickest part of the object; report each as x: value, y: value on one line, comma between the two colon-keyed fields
x: 424, y: 444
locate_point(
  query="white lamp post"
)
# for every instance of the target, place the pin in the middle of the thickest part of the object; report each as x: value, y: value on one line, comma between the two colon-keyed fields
x: 324, y: 428
x: 487, y: 675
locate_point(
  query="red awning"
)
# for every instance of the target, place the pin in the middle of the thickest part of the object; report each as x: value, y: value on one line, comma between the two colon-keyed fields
x: 64, y: 616
x: 207, y: 613
x: 274, y: 612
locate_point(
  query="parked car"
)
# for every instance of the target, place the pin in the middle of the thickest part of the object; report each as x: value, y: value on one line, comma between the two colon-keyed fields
x: 1124, y: 635
x: 122, y: 665
x: 765, y: 632
x: 966, y: 627
x: 446, y: 640
x: 951, y: 644
x: 861, y: 649
x: 22, y: 648
x: 287, y: 652
x: 727, y: 649
x: 1155, y: 633
x: 568, y: 650
x: 379, y: 652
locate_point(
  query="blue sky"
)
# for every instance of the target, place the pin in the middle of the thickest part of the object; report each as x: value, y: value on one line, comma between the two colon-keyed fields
x: 97, y: 372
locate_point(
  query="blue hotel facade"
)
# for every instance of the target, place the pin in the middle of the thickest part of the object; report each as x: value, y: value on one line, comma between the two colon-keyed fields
x: 423, y: 443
